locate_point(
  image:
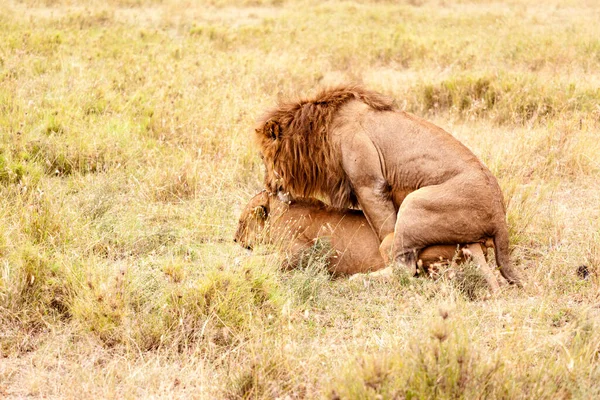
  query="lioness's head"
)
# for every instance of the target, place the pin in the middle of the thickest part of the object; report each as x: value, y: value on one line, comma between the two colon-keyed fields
x: 251, y: 225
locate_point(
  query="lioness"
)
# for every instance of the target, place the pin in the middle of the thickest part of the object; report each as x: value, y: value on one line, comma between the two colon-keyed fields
x: 416, y: 183
x: 355, y: 247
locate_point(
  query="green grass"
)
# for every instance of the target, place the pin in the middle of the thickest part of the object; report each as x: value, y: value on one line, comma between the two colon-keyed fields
x: 125, y: 160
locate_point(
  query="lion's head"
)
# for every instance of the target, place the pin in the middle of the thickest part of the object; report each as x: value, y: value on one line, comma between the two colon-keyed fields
x: 251, y: 226
x: 296, y: 149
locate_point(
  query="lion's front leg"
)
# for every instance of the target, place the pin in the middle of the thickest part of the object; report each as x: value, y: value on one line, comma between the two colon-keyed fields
x: 386, y: 248
x: 361, y: 162
x: 380, y: 212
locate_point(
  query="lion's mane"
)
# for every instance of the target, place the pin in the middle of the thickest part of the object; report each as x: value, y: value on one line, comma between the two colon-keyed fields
x: 295, y: 138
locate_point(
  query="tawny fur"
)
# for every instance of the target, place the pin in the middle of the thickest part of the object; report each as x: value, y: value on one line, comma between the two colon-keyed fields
x: 295, y: 227
x: 316, y: 168
x: 350, y: 146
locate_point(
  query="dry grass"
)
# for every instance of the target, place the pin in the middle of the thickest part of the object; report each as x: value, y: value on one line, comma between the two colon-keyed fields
x: 125, y: 161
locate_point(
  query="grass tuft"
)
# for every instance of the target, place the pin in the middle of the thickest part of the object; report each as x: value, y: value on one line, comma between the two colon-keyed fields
x: 470, y: 282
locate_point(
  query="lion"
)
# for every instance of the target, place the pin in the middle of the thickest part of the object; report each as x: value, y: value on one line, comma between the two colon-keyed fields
x: 416, y: 184
x: 297, y: 225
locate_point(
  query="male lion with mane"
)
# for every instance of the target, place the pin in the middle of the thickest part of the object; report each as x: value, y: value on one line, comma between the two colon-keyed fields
x: 416, y: 184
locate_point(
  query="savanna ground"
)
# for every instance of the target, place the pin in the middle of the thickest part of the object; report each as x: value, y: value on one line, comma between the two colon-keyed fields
x: 125, y: 158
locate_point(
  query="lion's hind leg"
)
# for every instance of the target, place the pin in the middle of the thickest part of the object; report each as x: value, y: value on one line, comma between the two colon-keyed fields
x: 446, y: 213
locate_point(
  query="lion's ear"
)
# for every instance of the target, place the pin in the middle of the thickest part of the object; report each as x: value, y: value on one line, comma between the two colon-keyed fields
x: 272, y: 129
x: 260, y: 212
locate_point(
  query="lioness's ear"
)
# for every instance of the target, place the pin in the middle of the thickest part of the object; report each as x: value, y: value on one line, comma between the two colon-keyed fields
x: 272, y: 129
x: 260, y: 212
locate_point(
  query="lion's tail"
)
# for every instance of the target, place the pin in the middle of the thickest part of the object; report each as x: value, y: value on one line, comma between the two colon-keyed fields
x: 501, y: 250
